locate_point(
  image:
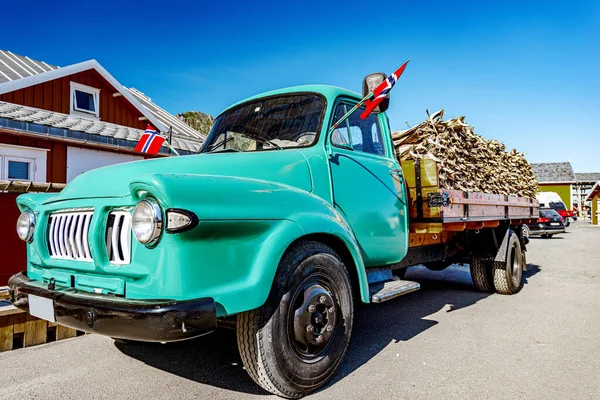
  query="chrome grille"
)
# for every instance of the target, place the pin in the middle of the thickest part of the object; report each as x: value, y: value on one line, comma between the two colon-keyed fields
x: 118, y: 237
x: 68, y: 235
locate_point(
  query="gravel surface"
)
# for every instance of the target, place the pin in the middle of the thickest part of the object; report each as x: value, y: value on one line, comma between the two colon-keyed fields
x: 444, y: 341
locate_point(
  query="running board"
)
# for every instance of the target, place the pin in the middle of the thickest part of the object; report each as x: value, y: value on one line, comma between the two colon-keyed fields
x: 384, y: 291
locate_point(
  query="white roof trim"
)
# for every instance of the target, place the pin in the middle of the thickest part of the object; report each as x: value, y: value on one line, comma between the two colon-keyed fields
x: 556, y: 182
x: 42, y: 77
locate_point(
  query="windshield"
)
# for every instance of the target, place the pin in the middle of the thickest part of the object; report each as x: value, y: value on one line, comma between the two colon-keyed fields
x: 269, y: 123
x: 558, y: 205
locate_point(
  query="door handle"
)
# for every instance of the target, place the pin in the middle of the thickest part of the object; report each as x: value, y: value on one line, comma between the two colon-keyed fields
x: 395, y: 171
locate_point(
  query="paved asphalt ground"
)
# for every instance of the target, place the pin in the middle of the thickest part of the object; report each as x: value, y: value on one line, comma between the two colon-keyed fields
x: 445, y: 341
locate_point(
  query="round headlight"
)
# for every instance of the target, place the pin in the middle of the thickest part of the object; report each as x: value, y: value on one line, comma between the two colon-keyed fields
x: 25, y: 226
x: 147, y: 221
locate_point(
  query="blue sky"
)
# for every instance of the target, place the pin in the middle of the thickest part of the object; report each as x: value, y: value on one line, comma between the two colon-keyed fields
x: 524, y: 72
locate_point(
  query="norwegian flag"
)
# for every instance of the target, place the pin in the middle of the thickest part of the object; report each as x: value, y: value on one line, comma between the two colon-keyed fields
x: 150, y: 142
x: 381, y: 91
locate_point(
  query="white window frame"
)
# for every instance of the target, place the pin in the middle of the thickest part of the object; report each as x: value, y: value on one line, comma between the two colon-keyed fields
x: 95, y: 95
x: 36, y: 158
x: 30, y: 161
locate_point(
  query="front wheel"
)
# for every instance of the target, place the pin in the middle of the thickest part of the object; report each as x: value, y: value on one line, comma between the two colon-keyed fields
x: 293, y: 344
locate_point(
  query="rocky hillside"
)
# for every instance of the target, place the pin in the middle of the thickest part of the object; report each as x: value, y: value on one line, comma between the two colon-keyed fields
x: 198, y: 120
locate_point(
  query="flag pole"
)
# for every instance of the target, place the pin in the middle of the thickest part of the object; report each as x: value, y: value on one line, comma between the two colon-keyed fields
x: 356, y: 107
x: 360, y: 103
x: 168, y: 142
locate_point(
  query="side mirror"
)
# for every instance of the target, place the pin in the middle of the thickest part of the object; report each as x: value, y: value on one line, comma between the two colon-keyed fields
x: 370, y: 82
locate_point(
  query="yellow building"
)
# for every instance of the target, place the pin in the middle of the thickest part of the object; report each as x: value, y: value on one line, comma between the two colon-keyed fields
x: 593, y: 197
x: 556, y: 177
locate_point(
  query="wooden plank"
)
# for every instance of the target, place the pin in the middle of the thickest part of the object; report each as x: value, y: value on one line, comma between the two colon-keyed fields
x: 8, y: 97
x: 28, y: 97
x: 35, y: 331
x: 57, y: 95
x: 425, y: 227
x: 26, y: 186
x: 62, y: 332
x: 6, y: 332
x: 10, y: 310
x: 38, y: 95
x: 65, y: 85
x: 3, y: 290
x: 455, y: 226
x: 19, y: 322
x: 18, y: 96
x: 48, y: 96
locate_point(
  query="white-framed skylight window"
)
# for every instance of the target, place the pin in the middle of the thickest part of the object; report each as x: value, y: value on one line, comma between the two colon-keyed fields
x: 85, y: 100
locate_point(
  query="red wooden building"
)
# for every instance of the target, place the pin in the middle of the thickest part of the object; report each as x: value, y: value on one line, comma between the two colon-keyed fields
x: 56, y: 123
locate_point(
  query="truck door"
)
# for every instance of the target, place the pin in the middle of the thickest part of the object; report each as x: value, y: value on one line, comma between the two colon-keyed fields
x: 367, y: 186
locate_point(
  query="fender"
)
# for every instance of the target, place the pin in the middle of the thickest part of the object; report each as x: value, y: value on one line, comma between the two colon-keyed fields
x: 30, y: 200
x: 247, y: 211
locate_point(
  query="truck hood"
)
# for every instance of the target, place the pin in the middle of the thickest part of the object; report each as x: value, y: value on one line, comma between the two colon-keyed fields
x: 286, y: 167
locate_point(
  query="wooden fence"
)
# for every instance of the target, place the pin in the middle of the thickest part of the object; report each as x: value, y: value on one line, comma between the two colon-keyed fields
x: 19, y: 329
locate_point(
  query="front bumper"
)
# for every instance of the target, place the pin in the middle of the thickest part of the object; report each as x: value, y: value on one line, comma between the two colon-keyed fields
x: 110, y: 315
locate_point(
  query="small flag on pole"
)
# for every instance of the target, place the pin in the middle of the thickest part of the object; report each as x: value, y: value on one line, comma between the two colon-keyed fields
x: 150, y: 142
x: 380, y: 92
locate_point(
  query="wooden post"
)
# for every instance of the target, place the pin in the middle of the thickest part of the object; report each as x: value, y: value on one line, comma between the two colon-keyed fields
x: 595, y: 210
x: 6, y: 332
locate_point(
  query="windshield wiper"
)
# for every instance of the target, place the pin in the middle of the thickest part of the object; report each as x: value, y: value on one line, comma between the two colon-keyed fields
x: 262, y: 139
x: 215, y: 145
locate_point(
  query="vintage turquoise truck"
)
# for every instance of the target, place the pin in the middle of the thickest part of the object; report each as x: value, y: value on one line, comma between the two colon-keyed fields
x: 282, y: 222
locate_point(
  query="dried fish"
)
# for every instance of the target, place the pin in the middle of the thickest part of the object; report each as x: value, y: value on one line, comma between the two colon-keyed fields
x: 466, y: 161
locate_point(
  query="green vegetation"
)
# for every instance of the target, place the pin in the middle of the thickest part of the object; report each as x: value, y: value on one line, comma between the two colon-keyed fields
x: 198, y: 120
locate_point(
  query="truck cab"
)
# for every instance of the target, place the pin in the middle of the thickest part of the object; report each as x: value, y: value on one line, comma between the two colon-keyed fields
x: 276, y: 223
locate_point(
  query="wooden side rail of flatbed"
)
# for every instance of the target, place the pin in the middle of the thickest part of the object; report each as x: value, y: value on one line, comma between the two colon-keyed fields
x: 433, y: 210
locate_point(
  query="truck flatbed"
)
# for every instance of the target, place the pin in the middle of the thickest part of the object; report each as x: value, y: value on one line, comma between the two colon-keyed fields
x: 438, y: 211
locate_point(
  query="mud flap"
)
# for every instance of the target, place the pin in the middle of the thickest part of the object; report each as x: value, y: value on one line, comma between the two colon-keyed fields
x: 502, y: 252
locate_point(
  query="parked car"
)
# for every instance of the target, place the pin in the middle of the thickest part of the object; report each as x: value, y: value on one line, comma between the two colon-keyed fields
x: 548, y: 224
x: 554, y: 201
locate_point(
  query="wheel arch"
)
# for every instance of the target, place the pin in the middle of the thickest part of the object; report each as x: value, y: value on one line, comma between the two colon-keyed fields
x: 355, y: 269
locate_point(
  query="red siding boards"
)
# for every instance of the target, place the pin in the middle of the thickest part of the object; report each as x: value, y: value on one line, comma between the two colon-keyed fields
x: 13, y: 249
x: 55, y: 96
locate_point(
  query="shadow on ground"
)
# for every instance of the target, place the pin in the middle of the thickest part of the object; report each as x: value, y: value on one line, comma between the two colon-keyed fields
x: 214, y: 359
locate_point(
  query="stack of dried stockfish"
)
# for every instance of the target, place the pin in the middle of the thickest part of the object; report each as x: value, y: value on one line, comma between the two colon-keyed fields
x: 466, y: 161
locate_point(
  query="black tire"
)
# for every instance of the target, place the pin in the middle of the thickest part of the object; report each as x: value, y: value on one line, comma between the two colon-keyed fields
x: 567, y: 222
x: 481, y: 275
x: 545, y: 236
x: 278, y: 353
x: 438, y: 265
x: 508, y: 276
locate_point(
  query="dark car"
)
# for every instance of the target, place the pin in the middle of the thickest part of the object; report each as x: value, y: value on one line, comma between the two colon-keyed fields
x: 549, y: 223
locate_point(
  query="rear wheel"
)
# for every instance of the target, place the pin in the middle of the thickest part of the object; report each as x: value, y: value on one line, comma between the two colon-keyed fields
x: 481, y: 274
x: 508, y: 275
x: 293, y: 344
